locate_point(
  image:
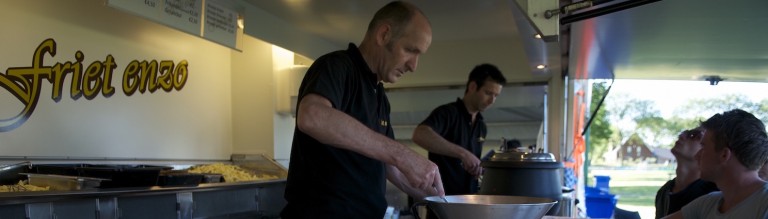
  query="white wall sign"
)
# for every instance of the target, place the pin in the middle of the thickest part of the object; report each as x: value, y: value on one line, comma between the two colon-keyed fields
x: 180, y: 14
x: 220, y: 24
x: 185, y: 15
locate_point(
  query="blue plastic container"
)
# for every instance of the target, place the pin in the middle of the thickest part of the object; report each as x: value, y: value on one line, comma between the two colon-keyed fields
x: 603, y: 182
x: 600, y: 204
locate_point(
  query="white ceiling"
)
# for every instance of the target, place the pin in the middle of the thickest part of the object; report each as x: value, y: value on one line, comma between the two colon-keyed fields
x: 678, y: 40
x: 670, y: 39
x: 344, y: 21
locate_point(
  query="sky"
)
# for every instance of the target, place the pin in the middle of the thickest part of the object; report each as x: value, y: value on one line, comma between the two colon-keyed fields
x: 670, y: 94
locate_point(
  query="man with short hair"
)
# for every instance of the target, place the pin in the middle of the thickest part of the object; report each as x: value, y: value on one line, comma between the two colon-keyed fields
x: 687, y: 184
x: 343, y: 146
x: 454, y: 133
x: 733, y: 148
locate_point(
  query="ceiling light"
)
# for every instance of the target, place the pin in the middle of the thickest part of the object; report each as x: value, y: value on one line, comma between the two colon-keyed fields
x: 537, y: 36
x: 240, y: 22
x: 541, y: 66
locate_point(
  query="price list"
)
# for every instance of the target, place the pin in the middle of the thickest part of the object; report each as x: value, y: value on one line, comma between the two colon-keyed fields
x: 218, y: 25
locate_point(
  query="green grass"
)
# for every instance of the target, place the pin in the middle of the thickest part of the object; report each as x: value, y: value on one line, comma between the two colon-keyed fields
x: 636, y: 195
x: 634, y: 186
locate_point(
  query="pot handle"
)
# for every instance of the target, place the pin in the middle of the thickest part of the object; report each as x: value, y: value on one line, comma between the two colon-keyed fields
x: 415, y: 208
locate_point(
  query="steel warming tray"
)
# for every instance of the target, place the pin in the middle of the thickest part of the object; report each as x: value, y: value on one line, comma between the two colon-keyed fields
x: 63, y: 183
x: 119, y: 175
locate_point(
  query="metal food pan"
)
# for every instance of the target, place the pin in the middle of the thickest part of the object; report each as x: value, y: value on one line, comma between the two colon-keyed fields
x: 188, y: 179
x: 9, y: 174
x: 59, y: 169
x: 124, y: 175
x: 212, y: 178
x: 179, y: 178
x: 63, y: 183
x: 119, y: 175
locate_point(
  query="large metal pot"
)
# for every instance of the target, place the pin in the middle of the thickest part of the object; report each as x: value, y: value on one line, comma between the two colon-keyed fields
x: 523, y: 174
x: 488, y: 206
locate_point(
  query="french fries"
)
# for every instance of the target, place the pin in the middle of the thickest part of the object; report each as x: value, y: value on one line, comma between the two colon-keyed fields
x: 22, y: 186
x: 231, y: 173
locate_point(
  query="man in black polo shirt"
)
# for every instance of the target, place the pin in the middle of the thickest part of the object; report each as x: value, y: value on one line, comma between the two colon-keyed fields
x: 686, y: 186
x: 343, y: 145
x: 454, y: 133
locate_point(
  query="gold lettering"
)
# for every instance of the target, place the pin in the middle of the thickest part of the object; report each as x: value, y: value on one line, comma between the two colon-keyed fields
x: 24, y: 84
x: 180, y: 75
x: 148, y: 73
x: 92, y: 80
x: 164, y: 77
x: 131, y: 78
x: 109, y: 66
x: 77, y: 76
x: 59, y: 72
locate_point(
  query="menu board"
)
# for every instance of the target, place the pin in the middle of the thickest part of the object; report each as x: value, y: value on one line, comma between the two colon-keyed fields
x: 182, y: 14
x: 220, y: 24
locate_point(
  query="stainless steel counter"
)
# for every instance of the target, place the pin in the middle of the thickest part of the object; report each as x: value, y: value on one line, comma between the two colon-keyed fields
x: 249, y: 199
x: 263, y: 199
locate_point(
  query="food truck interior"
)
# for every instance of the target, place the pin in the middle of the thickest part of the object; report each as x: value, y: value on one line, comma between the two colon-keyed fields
x: 114, y: 136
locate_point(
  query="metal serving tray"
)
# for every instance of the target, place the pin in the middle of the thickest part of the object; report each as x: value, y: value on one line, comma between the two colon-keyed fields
x: 63, y: 183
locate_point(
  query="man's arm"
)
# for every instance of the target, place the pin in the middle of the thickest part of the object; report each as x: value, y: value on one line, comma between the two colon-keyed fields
x: 427, y: 138
x: 317, y: 118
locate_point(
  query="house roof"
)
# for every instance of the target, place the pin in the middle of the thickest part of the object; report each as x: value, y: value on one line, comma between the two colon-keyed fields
x: 663, y: 153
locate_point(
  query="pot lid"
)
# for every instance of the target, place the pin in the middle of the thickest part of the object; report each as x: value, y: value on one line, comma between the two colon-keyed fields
x: 515, y: 156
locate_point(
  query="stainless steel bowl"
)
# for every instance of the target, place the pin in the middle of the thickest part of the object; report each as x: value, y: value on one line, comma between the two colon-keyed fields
x: 489, y: 206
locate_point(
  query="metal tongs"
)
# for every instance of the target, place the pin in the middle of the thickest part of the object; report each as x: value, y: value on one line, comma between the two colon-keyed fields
x: 442, y: 196
x: 25, y: 163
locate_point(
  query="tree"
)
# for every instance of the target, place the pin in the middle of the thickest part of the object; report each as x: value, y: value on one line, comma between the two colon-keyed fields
x: 622, y: 116
x: 600, y: 130
x: 705, y: 108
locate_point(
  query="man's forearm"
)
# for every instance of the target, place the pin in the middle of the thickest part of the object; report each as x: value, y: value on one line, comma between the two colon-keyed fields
x: 335, y: 128
x: 428, y: 139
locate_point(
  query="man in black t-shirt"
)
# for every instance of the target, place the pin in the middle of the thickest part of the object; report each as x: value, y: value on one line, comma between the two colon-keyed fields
x: 686, y: 186
x: 454, y: 133
x: 343, y: 147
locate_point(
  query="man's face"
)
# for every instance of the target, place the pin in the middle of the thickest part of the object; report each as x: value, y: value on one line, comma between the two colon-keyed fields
x: 483, y: 98
x: 401, y: 54
x: 688, y: 144
x: 709, y: 158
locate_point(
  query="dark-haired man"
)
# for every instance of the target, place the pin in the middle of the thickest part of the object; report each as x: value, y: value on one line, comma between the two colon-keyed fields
x: 733, y: 148
x: 687, y: 184
x: 454, y: 133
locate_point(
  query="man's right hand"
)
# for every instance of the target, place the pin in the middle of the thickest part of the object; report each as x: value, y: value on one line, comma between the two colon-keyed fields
x: 471, y: 164
x: 421, y: 173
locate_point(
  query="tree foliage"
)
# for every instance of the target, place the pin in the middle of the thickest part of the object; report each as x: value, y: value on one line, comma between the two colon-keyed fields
x: 622, y: 116
x: 600, y: 130
x: 707, y: 107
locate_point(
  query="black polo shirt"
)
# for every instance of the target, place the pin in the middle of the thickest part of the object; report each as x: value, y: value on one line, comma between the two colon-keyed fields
x: 454, y: 123
x: 329, y: 182
x: 668, y: 202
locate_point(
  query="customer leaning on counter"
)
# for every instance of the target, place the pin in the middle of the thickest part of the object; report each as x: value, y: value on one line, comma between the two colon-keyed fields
x: 343, y: 145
